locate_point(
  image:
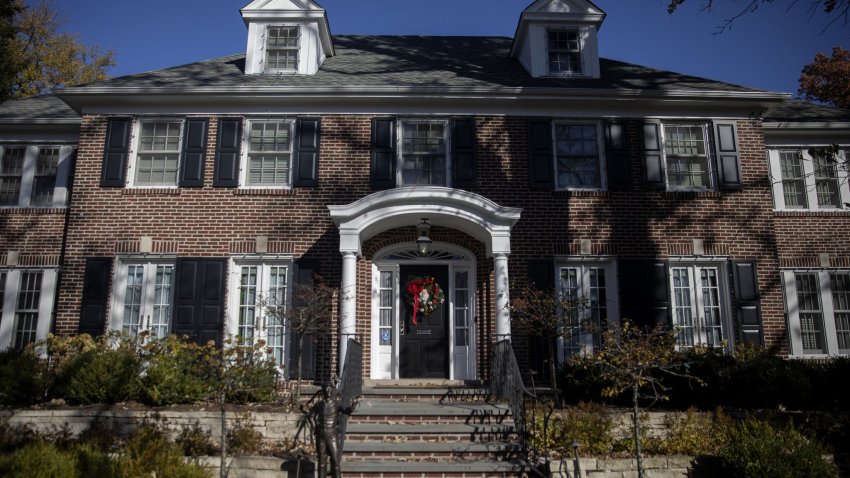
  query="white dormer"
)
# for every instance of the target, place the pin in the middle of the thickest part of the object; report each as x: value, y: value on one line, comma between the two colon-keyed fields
x: 286, y: 37
x: 558, y: 38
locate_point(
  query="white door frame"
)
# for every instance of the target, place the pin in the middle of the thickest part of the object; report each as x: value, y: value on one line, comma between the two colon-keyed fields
x: 390, y: 259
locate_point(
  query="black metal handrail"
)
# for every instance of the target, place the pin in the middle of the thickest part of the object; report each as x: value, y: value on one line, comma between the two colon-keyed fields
x: 350, y: 385
x: 506, y: 384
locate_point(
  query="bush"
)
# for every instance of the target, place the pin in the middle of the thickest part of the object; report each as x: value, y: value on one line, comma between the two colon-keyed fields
x: 178, y: 372
x: 102, y: 371
x: 39, y: 460
x: 587, y: 423
x: 251, y: 375
x: 195, y: 441
x: 23, y: 378
x: 755, y: 449
x: 149, y: 453
x: 244, y: 439
x: 693, y: 434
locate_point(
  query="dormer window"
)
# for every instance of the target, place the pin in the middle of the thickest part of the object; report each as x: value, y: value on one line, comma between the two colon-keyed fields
x: 282, y: 44
x: 564, y: 52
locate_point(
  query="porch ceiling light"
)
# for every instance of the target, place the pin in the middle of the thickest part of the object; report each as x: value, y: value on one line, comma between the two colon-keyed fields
x: 423, y: 242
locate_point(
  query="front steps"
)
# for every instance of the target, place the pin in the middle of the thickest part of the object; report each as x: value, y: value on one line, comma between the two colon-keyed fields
x: 430, y: 432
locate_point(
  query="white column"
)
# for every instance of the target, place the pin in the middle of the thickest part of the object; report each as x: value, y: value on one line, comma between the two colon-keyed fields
x: 503, y: 314
x: 348, y: 303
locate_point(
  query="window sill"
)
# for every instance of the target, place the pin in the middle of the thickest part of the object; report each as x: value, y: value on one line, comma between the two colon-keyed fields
x: 580, y: 193
x: 150, y: 192
x: 15, y: 210
x: 810, y: 212
x: 685, y: 194
x: 264, y: 192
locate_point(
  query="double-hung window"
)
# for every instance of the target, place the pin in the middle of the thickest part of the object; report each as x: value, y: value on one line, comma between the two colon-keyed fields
x: 687, y: 159
x: 157, y: 153
x: 143, y: 297
x: 564, y: 50
x: 282, y: 43
x: 34, y: 175
x: 806, y: 181
x: 578, y: 161
x: 259, y: 298
x: 699, y: 307
x: 590, y: 287
x: 269, y: 153
x: 818, y: 307
x: 424, y: 153
x: 26, y: 303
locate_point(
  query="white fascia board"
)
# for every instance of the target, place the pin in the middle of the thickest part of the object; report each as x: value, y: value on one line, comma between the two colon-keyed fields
x: 806, y: 125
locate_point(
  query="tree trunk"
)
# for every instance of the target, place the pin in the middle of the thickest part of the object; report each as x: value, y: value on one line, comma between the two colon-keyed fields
x: 299, y: 367
x: 636, y: 426
x: 222, y: 398
x: 553, y: 373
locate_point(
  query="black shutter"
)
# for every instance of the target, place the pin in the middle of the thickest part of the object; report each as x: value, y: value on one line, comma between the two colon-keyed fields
x: 194, y: 153
x: 383, y: 153
x: 95, y: 296
x: 653, y: 159
x: 227, y: 152
x: 199, y: 302
x: 463, y: 153
x: 541, y: 274
x: 306, y: 172
x: 728, y: 155
x: 645, y: 292
x: 540, y: 162
x: 747, y: 302
x: 617, y: 157
x: 304, y: 271
x: 114, y: 173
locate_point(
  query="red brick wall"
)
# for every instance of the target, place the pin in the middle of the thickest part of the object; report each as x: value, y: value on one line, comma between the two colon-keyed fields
x: 210, y: 221
x: 35, y: 233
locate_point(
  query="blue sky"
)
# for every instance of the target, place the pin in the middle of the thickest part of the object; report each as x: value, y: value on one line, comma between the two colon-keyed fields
x: 766, y: 49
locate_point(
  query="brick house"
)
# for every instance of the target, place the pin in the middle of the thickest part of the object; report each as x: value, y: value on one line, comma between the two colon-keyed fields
x: 169, y: 201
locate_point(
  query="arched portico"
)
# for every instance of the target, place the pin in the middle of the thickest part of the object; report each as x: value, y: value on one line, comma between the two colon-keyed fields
x: 470, y: 213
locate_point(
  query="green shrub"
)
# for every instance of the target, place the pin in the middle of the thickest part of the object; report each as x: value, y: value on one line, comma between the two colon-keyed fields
x: 39, y: 460
x: 755, y: 449
x: 587, y: 423
x: 23, y: 378
x: 94, y: 463
x: 103, y: 371
x: 244, y: 439
x: 693, y: 434
x: 195, y: 441
x: 148, y: 452
x: 251, y: 375
x: 178, y: 372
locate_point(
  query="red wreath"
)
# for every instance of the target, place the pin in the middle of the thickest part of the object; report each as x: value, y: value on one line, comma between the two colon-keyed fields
x: 425, y: 295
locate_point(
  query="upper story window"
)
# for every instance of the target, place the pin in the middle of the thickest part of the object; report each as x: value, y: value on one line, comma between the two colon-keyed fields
x: 282, y: 44
x: 564, y: 49
x: 686, y: 157
x: 578, y: 158
x: 802, y: 180
x: 424, y: 153
x: 818, y: 307
x: 269, y: 151
x: 34, y: 176
x: 158, y: 153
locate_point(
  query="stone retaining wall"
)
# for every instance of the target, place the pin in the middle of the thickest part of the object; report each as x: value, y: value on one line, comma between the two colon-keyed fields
x: 655, y: 467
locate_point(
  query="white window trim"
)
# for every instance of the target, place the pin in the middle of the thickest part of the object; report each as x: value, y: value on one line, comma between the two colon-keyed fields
x: 775, y: 168
x: 135, y: 146
x: 264, y: 45
x: 233, y: 291
x: 245, y: 154
x: 708, y: 132
x: 400, y: 148
x: 612, y: 304
x: 60, y: 191
x: 582, y: 40
x: 119, y: 289
x: 45, y: 305
x: 695, y: 264
x: 600, y: 148
x: 795, y: 336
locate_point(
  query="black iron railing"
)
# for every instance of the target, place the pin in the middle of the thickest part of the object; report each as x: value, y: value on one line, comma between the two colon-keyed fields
x: 506, y: 384
x: 350, y: 385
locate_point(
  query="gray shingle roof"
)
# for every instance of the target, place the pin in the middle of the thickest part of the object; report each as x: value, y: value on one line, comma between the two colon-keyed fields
x: 36, y: 109
x: 801, y: 111
x: 416, y: 61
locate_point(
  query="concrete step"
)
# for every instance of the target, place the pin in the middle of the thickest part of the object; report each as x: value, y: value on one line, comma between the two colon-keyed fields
x: 427, y: 393
x: 373, y: 410
x: 448, y: 468
x: 470, y: 451
x: 428, y: 432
